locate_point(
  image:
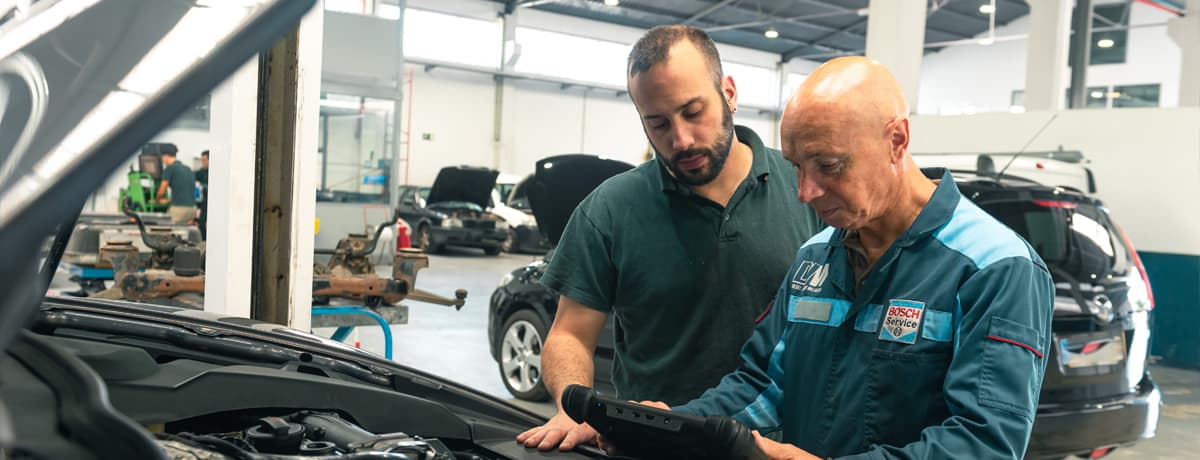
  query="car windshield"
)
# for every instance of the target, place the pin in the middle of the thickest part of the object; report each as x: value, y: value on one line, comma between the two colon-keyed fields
x: 1077, y: 239
x: 519, y: 198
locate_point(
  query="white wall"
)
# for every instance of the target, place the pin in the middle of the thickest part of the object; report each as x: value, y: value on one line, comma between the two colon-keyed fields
x: 976, y: 78
x: 457, y: 108
x: 1146, y: 161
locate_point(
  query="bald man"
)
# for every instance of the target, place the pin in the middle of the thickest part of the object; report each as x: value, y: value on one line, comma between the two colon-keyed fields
x: 916, y: 326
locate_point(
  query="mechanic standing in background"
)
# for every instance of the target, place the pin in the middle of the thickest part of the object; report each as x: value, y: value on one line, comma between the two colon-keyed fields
x: 202, y: 180
x: 917, y: 326
x: 182, y: 182
x: 685, y: 250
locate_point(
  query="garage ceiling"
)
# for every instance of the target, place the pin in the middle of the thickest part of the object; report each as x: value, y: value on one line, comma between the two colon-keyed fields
x: 811, y: 29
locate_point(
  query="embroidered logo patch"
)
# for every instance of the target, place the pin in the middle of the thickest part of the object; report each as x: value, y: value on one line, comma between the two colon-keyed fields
x: 810, y: 276
x: 902, y: 321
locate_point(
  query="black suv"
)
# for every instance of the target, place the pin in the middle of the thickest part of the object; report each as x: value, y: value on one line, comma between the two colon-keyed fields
x: 1097, y: 393
x: 454, y: 211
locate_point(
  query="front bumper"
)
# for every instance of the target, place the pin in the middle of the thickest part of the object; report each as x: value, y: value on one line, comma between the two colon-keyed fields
x: 1078, y: 429
x: 469, y: 237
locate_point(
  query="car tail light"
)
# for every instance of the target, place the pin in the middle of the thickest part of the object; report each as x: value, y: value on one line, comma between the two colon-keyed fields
x: 1055, y: 204
x: 403, y: 235
x: 1137, y: 262
x: 1101, y: 452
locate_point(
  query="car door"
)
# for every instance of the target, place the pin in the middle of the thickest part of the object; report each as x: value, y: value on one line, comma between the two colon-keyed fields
x: 410, y: 208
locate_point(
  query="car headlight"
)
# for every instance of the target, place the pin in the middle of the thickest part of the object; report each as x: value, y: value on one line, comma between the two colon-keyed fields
x: 450, y: 222
x: 507, y: 278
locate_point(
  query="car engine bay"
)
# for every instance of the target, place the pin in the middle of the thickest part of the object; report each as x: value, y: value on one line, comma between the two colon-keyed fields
x: 138, y: 388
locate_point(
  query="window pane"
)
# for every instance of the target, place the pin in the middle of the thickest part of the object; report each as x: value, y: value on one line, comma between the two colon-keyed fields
x: 754, y: 84
x: 1135, y: 96
x: 355, y: 141
x: 1096, y: 97
x: 452, y: 38
x: 572, y: 57
x: 345, y: 6
x: 790, y: 84
x: 1108, y: 46
x: 388, y: 11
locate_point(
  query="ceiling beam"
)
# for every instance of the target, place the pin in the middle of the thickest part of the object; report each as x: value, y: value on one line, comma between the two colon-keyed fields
x: 789, y: 54
x: 792, y: 19
x: 707, y: 11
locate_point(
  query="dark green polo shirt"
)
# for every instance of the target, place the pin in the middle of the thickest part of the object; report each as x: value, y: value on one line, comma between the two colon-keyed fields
x: 686, y: 277
x: 182, y: 183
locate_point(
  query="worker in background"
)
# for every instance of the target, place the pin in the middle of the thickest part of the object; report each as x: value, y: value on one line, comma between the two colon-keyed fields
x: 917, y: 327
x: 182, y: 183
x: 202, y: 181
x: 685, y: 250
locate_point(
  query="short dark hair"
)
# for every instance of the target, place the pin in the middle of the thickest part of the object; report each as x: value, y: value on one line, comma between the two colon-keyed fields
x: 204, y: 153
x: 654, y: 48
x: 168, y: 153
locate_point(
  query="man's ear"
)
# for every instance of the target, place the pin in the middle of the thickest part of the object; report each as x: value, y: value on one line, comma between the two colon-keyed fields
x: 729, y: 90
x: 898, y: 135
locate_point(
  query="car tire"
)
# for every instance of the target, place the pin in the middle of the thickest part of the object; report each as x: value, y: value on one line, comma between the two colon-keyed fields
x: 520, y: 359
x: 423, y: 238
x: 492, y: 251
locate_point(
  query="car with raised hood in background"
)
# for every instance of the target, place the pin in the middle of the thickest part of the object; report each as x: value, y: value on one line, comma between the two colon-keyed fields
x: 455, y: 211
x: 86, y: 83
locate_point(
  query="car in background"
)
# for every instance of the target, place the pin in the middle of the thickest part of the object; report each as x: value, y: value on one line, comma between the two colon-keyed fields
x: 85, y: 378
x: 521, y: 309
x: 455, y: 211
x: 527, y: 237
x: 523, y: 234
x: 1097, y: 394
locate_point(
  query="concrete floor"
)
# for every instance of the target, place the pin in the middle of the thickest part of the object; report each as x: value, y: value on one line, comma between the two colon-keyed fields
x: 453, y: 344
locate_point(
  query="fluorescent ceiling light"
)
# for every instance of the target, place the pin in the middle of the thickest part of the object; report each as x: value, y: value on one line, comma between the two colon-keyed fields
x: 612, y: 2
x: 1105, y: 43
x: 771, y: 33
x: 1097, y: 95
x: 987, y: 8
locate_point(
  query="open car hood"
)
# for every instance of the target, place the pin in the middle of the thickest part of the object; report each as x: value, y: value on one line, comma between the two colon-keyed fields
x: 464, y: 183
x: 561, y: 182
x: 84, y: 84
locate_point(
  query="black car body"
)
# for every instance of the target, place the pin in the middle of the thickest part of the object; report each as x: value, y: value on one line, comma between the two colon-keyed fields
x: 521, y: 309
x: 1097, y: 393
x: 454, y: 212
x: 90, y: 379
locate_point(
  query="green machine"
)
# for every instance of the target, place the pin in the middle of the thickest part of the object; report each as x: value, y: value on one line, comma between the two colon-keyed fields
x: 143, y: 183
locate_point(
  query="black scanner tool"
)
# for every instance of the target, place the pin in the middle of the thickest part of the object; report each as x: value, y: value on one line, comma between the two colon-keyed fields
x: 650, y: 433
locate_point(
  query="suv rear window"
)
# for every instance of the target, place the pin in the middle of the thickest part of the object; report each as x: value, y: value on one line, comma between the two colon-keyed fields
x: 1077, y: 239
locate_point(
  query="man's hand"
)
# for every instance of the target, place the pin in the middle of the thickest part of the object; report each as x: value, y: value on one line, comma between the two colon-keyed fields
x: 560, y: 431
x: 778, y: 451
x: 163, y: 201
x: 655, y: 404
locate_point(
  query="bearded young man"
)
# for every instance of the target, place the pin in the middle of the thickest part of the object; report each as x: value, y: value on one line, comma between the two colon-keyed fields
x: 685, y: 250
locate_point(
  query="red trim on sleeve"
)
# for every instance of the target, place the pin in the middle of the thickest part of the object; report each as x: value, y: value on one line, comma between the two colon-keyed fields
x: 1019, y: 344
x: 764, y: 313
